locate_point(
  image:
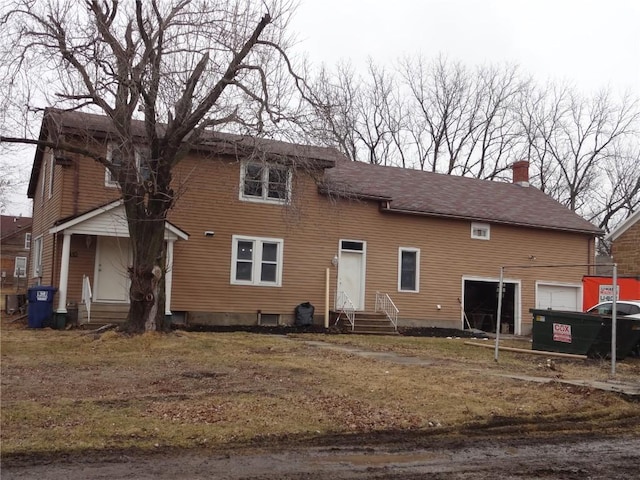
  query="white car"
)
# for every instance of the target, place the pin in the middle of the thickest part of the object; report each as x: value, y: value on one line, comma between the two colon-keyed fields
x: 623, y: 307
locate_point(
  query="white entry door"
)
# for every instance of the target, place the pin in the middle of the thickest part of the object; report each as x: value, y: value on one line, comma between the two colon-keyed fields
x: 351, y: 273
x: 111, y: 282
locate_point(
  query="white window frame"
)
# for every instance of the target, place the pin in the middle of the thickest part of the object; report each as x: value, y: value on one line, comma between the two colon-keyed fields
x: 24, y: 268
x: 52, y: 165
x: 36, y: 252
x: 256, y: 262
x: 27, y: 241
x: 108, y: 180
x: 401, y: 250
x: 264, y: 198
x: 43, y: 171
x: 480, y: 227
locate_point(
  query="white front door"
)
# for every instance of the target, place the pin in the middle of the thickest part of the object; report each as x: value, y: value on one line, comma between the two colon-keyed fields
x: 351, y: 273
x: 111, y: 282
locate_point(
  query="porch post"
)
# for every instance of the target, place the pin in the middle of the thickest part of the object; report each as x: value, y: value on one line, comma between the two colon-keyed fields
x: 64, y: 275
x: 168, y: 280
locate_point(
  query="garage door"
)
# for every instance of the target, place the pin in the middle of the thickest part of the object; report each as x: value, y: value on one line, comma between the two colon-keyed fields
x: 559, y: 297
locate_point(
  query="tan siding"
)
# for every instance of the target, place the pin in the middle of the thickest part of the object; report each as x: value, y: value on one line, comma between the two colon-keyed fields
x: 311, y: 228
x: 312, y: 234
x: 626, y: 251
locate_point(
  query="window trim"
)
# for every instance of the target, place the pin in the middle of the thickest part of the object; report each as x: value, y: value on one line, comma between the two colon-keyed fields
x: 27, y: 241
x: 266, y: 167
x: 417, y: 272
x: 15, y: 267
x: 256, y: 263
x: 483, y: 227
x: 110, y: 182
x: 44, y: 179
x: 52, y: 166
x: 37, y: 256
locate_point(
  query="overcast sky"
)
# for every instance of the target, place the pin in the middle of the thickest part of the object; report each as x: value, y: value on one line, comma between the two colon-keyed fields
x: 592, y: 44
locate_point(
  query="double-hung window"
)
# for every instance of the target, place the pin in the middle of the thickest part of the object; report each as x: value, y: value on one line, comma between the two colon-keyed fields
x: 256, y: 261
x: 408, y: 269
x: 27, y: 241
x: 20, y: 270
x: 263, y: 182
x: 114, y: 155
x: 36, y: 252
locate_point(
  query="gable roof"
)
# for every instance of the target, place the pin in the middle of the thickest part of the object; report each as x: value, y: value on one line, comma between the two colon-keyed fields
x: 56, y: 123
x: 11, y: 224
x: 433, y: 194
x: 108, y: 219
x: 624, y: 226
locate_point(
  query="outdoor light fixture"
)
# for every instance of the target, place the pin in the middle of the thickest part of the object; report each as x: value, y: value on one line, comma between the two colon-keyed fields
x: 209, y: 233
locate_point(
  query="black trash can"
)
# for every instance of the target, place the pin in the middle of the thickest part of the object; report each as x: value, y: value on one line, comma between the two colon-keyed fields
x: 40, y: 307
x: 304, y: 314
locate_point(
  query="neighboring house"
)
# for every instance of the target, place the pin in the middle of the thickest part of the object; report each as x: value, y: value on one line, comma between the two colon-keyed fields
x: 260, y: 225
x: 625, y: 245
x: 15, y: 247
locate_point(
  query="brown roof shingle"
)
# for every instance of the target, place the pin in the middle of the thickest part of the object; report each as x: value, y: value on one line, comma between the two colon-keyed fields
x: 426, y: 193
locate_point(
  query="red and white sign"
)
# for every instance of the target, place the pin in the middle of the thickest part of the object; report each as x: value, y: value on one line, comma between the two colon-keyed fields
x: 561, y: 333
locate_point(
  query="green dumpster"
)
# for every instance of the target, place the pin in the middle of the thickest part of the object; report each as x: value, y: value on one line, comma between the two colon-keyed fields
x: 583, y: 333
x: 627, y: 337
x: 565, y: 332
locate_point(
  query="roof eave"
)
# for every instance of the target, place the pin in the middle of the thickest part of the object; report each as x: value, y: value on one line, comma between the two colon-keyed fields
x: 594, y: 232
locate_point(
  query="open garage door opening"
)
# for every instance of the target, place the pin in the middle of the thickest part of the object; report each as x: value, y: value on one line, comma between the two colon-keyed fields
x: 481, y: 305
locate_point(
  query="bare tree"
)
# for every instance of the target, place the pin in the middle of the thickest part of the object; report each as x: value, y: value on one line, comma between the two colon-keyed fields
x: 582, y: 149
x: 189, y: 66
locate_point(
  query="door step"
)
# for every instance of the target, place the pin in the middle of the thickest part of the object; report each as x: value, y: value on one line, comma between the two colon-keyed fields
x: 366, y: 323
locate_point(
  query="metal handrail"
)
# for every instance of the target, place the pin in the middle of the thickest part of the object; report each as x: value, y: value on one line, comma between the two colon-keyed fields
x: 87, y: 296
x: 345, y: 305
x: 385, y: 304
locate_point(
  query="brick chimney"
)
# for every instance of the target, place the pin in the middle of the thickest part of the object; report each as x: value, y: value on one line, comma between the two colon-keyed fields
x: 521, y: 173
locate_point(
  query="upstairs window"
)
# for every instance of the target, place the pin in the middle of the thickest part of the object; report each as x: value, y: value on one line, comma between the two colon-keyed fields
x: 27, y: 241
x: 480, y: 231
x: 114, y: 155
x: 52, y: 170
x: 265, y: 183
x: 256, y: 261
x: 408, y: 269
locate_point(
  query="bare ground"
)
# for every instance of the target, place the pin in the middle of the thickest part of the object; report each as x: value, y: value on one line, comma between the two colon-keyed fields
x: 563, y: 442
x: 476, y: 459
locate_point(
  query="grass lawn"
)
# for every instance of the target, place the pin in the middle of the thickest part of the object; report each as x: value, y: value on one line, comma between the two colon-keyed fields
x: 66, y: 392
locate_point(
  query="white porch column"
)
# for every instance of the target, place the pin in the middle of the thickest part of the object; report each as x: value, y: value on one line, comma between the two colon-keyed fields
x: 64, y: 274
x: 168, y: 277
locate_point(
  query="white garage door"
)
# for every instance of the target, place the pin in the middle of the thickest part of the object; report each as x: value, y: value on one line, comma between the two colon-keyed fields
x: 559, y: 297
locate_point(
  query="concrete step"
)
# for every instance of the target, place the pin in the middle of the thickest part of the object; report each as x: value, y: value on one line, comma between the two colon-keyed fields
x: 369, y: 323
x: 103, y: 313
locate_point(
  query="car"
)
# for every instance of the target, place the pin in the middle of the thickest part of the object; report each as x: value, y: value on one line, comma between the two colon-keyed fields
x: 623, y: 307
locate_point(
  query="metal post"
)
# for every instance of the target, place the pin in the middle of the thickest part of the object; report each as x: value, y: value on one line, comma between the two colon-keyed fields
x: 614, y: 320
x: 499, y: 314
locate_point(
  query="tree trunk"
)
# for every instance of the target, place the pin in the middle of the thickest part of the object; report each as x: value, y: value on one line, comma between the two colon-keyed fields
x: 147, y: 309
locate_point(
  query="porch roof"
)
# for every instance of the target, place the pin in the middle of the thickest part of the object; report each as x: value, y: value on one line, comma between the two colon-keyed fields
x: 108, y: 221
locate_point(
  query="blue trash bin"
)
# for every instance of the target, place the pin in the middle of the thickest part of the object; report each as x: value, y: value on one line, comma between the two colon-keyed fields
x: 40, y: 307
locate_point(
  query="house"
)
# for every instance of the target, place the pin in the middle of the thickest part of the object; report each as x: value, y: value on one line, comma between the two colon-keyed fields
x: 15, y: 246
x: 625, y: 245
x: 262, y: 226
